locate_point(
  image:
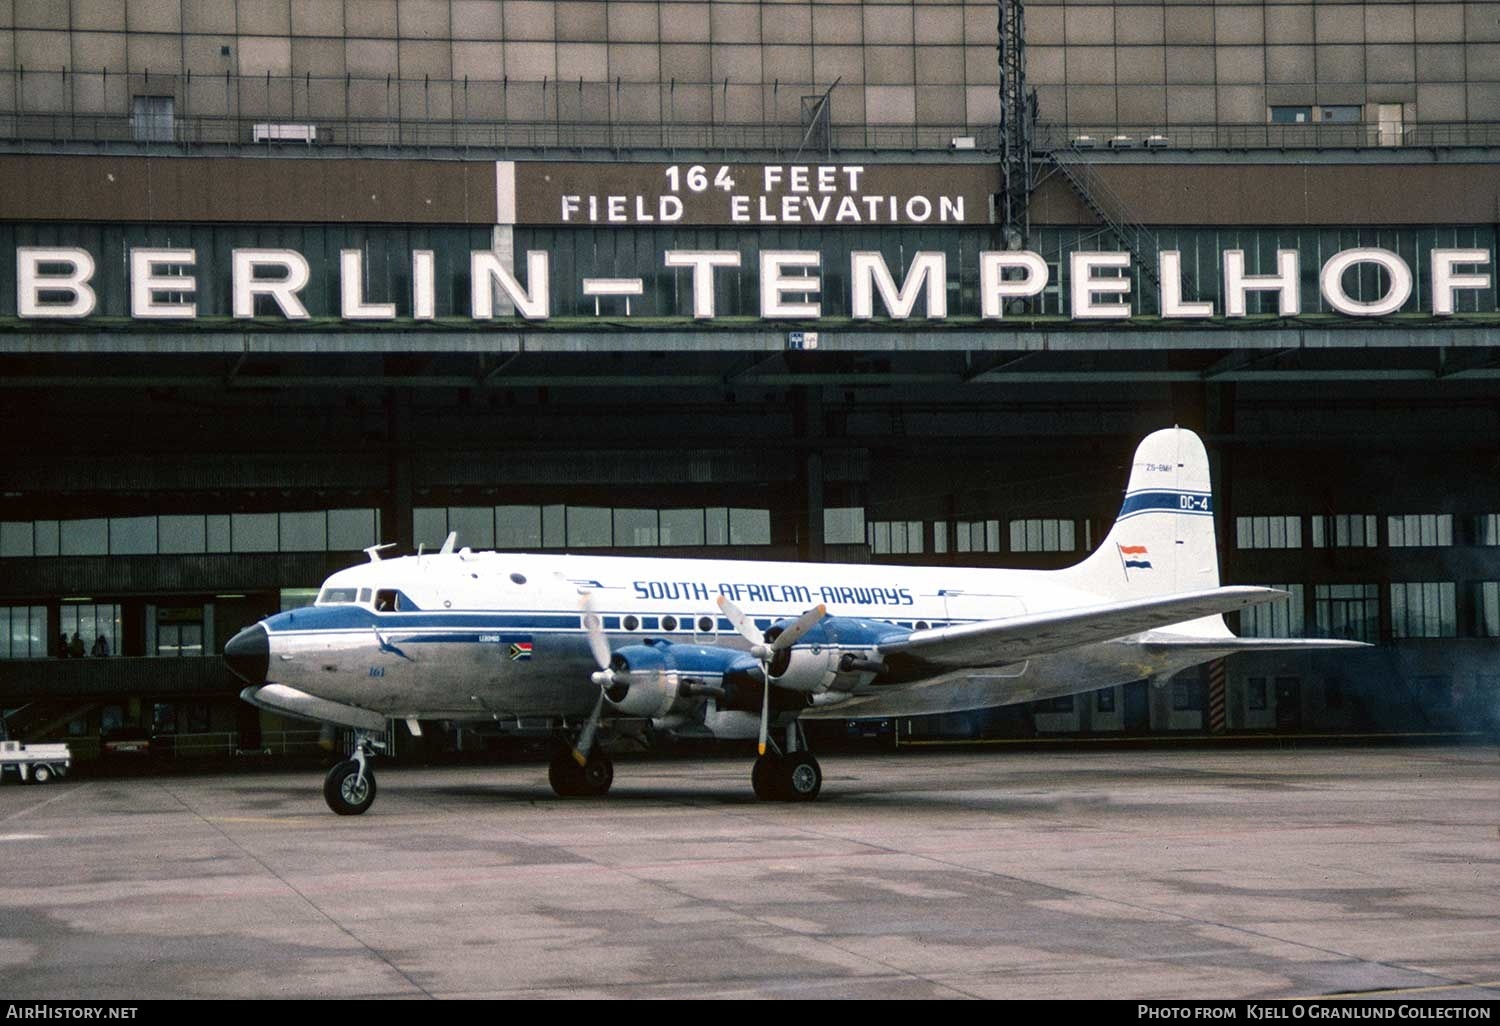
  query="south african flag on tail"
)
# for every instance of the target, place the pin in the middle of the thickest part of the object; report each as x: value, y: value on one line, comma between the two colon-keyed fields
x: 1135, y: 556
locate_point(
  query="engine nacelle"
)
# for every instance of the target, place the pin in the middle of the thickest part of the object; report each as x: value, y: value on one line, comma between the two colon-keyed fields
x: 656, y: 679
x: 839, y: 654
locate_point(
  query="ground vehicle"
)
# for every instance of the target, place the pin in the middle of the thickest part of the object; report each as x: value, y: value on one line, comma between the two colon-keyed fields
x: 37, y: 764
x: 125, y: 741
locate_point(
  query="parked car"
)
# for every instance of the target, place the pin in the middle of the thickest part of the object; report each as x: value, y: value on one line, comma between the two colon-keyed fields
x: 131, y: 741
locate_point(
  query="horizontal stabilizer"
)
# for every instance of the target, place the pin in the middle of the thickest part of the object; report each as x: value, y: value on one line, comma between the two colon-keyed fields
x: 1018, y: 638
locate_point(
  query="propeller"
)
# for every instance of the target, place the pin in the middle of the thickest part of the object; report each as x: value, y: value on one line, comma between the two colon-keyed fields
x: 604, y: 677
x: 766, y: 647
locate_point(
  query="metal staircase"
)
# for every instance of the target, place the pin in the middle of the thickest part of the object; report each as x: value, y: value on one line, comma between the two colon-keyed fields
x: 1102, y: 201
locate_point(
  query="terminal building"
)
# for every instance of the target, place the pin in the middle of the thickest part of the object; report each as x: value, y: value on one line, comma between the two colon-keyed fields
x: 865, y: 282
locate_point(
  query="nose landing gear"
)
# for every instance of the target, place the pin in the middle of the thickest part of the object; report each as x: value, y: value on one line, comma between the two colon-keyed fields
x: 349, y: 788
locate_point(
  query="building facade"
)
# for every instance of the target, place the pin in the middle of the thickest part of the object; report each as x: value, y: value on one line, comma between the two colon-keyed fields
x: 281, y: 281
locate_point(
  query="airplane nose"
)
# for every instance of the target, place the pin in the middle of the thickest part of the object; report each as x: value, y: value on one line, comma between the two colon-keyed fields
x: 248, y: 654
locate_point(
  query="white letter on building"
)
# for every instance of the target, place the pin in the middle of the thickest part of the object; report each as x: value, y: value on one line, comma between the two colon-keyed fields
x: 352, y: 291
x: 1169, y: 264
x: 145, y: 283
x: 1398, y: 276
x: 703, y: 262
x: 995, y: 288
x: 1284, y: 281
x: 1084, y: 284
x: 929, y: 270
x: 31, y: 282
x: 283, y: 290
x: 773, y: 284
x: 486, y: 271
x: 423, y: 291
x: 1445, y: 281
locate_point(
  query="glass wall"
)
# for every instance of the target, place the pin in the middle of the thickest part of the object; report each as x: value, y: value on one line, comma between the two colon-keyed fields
x: 561, y: 526
x: 333, y: 530
x: 23, y: 632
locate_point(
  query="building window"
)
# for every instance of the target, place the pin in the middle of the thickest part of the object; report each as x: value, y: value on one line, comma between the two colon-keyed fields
x: 153, y: 118
x: 1348, y: 611
x: 23, y: 632
x: 1487, y: 609
x: 1487, y: 529
x: 1291, y: 115
x: 1342, y: 114
x: 1061, y: 704
x: 1268, y: 532
x: 1255, y: 694
x: 940, y: 536
x: 844, y: 525
x: 97, y: 626
x: 334, y: 530
x: 1187, y: 696
x: 1419, y: 529
x: 1279, y: 619
x: 1042, y: 536
x: 894, y: 537
x: 179, y: 631
x: 1344, y: 531
x: 1104, y: 701
x: 1424, y: 609
x: 976, y: 536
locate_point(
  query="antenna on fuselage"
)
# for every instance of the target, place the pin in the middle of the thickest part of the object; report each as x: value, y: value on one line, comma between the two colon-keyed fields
x: 448, y: 543
x: 374, y: 551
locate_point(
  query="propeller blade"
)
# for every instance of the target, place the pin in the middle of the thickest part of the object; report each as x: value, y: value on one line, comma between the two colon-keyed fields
x: 742, y: 623
x: 586, y: 735
x: 765, y: 715
x: 793, y: 634
x: 598, y: 644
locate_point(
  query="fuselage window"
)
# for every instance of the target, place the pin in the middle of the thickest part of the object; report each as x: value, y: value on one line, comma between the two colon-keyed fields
x: 705, y: 624
x: 385, y: 601
x: 922, y: 625
x: 631, y: 623
x: 669, y: 623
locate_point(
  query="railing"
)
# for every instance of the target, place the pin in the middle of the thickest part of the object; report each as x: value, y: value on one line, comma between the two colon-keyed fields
x: 1324, y: 135
x: 28, y: 679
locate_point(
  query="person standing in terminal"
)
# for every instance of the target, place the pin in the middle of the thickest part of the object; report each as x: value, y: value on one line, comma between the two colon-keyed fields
x: 62, y: 644
x: 101, y: 647
x: 75, y: 647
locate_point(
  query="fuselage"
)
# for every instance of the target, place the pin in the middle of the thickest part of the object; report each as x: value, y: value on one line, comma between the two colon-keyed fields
x: 466, y: 635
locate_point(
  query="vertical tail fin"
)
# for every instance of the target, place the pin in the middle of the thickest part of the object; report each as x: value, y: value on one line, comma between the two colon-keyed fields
x: 1162, y: 541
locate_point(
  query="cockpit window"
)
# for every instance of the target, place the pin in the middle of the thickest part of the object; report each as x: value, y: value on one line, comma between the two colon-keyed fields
x: 364, y: 594
x: 336, y: 597
x: 385, y: 601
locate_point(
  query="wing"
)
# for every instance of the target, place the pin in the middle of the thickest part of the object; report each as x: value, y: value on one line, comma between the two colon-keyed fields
x: 1017, y: 638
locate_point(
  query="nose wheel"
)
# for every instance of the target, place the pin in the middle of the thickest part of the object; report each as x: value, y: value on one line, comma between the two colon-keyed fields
x: 349, y: 788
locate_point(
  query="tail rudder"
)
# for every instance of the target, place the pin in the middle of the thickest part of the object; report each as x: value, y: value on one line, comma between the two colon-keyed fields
x: 1163, y: 540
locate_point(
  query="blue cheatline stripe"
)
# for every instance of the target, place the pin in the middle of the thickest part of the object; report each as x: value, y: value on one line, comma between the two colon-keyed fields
x: 1190, y: 503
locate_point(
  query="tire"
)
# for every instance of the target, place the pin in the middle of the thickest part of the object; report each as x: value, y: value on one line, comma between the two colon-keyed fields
x: 564, y: 775
x: 596, y: 776
x: 764, y: 777
x: 342, y: 792
x: 41, y: 774
x: 570, y: 780
x: 799, y: 777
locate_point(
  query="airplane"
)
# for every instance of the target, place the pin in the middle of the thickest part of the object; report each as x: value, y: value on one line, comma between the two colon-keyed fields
x: 736, y: 649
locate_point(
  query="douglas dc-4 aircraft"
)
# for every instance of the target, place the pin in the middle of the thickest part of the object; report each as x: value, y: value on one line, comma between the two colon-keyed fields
x: 608, y: 645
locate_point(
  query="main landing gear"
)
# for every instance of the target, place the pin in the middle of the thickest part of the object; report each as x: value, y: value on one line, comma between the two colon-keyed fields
x: 591, y: 780
x: 790, y: 776
x: 349, y: 788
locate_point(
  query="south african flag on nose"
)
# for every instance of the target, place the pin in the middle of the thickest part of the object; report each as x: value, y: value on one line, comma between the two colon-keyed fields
x: 1135, y: 556
x: 520, y: 651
